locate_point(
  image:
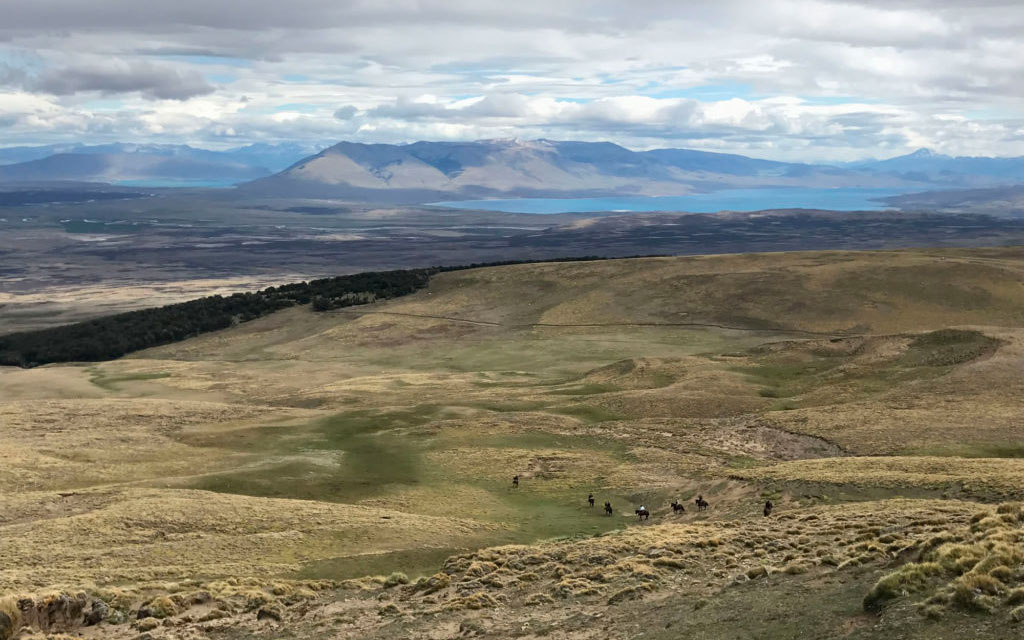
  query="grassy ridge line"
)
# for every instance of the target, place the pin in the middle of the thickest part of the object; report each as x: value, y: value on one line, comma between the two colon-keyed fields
x: 113, y: 336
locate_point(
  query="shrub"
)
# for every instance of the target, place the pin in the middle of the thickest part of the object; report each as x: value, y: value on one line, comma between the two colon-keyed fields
x: 395, y: 579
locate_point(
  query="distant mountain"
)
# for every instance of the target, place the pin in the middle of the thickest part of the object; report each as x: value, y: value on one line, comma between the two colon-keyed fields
x: 925, y: 165
x: 425, y: 171
x: 146, y: 163
x: 430, y: 171
x: 13, y: 155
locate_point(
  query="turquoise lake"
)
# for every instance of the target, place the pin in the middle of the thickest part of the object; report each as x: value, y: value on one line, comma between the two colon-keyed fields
x: 848, y: 199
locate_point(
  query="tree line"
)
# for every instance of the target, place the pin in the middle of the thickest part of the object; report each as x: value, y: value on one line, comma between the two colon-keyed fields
x: 113, y: 336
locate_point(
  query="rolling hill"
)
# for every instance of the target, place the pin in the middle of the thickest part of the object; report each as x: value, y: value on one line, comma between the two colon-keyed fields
x: 345, y: 473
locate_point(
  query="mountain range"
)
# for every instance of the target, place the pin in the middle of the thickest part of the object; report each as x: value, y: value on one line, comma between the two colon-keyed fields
x: 425, y: 171
x: 430, y: 171
x: 146, y: 163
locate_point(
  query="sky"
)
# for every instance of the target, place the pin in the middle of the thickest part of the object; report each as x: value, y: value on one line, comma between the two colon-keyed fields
x: 798, y: 80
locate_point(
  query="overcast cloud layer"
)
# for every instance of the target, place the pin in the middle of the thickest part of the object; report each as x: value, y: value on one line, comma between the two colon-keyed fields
x: 783, y: 79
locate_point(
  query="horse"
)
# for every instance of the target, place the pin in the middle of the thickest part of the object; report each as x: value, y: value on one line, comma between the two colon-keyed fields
x: 768, y: 506
x: 608, y: 508
x: 515, y: 482
x: 642, y: 514
x: 590, y: 499
x: 677, y: 507
x: 702, y: 504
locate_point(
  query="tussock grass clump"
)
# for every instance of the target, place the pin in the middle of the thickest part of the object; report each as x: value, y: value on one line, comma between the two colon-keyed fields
x: 474, y: 601
x: 974, y: 591
x: 538, y: 599
x: 1015, y: 508
x: 434, y: 583
x: 671, y: 563
x: 976, y: 565
x: 10, y: 618
x: 120, y: 599
x: 908, y: 578
x: 163, y: 607
x: 932, y: 611
x: 576, y: 587
x: 795, y: 568
x: 395, y: 579
x: 629, y: 593
x: 389, y: 610
x: 958, y: 558
x: 477, y: 569
x: 1015, y: 596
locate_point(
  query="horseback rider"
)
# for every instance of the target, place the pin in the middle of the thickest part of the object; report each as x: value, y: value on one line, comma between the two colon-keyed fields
x: 590, y: 499
x: 702, y: 504
x: 515, y: 481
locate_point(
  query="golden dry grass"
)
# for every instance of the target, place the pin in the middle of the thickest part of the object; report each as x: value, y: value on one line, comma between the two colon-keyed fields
x: 978, y: 476
x: 66, y: 444
x: 442, y: 396
x: 131, y: 536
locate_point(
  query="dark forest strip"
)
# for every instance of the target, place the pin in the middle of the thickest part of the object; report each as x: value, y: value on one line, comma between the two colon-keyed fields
x: 113, y: 336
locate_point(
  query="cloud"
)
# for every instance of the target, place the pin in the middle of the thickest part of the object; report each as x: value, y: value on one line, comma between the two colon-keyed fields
x: 345, y: 113
x: 159, y: 82
x: 791, y: 79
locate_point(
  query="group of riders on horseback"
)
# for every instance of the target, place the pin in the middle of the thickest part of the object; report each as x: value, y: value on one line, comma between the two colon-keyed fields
x: 677, y: 507
x: 643, y: 513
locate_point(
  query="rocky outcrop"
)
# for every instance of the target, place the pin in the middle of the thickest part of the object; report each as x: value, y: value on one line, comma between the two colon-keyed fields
x: 54, y: 612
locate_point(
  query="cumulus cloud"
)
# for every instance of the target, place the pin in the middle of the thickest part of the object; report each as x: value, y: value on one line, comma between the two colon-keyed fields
x: 791, y: 79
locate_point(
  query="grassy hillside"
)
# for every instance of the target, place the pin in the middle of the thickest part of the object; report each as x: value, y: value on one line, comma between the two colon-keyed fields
x: 873, y: 397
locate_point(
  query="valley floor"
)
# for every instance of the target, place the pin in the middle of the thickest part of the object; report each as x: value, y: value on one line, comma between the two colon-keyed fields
x: 873, y: 397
